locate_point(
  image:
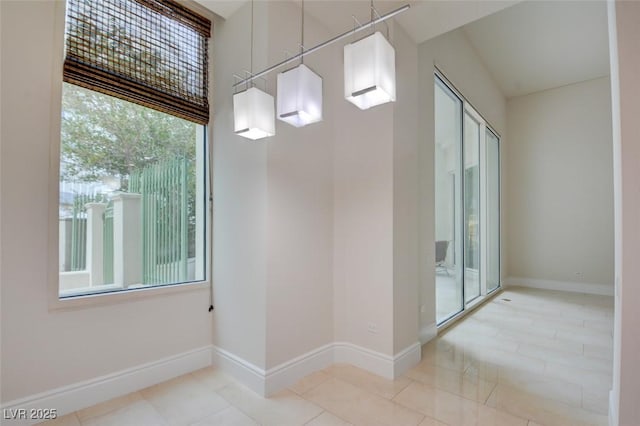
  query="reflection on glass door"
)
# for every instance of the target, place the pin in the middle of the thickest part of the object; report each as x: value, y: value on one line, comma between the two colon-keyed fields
x: 467, y: 204
x: 493, y: 211
x: 471, y: 184
x: 448, y: 212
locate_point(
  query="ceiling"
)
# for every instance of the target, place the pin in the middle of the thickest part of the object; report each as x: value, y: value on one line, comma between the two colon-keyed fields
x: 527, y: 46
x: 538, y: 45
x: 425, y: 19
x: 223, y: 8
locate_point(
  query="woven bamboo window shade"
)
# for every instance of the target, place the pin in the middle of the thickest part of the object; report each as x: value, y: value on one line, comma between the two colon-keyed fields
x: 151, y: 52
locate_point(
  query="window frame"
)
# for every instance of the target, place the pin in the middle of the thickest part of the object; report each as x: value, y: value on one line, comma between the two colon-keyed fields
x: 55, y: 302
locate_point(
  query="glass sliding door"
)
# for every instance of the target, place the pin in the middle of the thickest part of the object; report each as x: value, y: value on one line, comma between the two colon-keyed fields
x: 448, y: 202
x: 471, y: 191
x: 466, y: 204
x: 492, y: 211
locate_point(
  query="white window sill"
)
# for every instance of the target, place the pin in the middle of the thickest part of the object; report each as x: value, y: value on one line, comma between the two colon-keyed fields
x: 70, y: 302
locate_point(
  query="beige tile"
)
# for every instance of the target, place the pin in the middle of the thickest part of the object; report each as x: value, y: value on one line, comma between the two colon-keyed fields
x: 534, y: 330
x: 532, y: 423
x: 596, y: 312
x: 428, y: 421
x: 435, y: 403
x: 108, y: 406
x: 452, y: 358
x: 596, y: 400
x: 452, y: 409
x: 542, y: 410
x: 437, y: 344
x: 68, y: 420
x: 284, y: 408
x: 470, y: 387
x: 579, y: 376
x: 585, y: 336
x: 472, y: 328
x: 495, y: 320
x: 543, y: 342
x: 598, y: 351
x: 488, y: 416
x: 565, y: 358
x: 602, y: 325
x: 309, y: 382
x: 549, y: 315
x: 328, y: 419
x: 230, y: 416
x: 212, y: 377
x: 184, y: 400
x: 540, y: 385
x: 480, y: 342
x: 359, y: 407
x: 368, y: 381
x: 139, y: 413
x: 488, y: 364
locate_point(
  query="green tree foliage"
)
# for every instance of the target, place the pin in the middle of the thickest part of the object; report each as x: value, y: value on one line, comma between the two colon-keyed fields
x: 105, y: 136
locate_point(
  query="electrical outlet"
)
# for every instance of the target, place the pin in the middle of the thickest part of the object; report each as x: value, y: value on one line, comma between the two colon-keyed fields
x: 372, y: 328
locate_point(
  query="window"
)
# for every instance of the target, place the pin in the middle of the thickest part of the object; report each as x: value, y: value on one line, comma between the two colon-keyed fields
x: 133, y: 146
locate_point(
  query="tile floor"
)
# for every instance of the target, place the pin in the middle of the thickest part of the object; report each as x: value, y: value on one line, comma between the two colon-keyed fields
x: 528, y: 357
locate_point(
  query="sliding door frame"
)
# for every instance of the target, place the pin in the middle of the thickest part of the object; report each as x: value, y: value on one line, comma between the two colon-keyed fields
x: 486, y: 210
x: 467, y: 107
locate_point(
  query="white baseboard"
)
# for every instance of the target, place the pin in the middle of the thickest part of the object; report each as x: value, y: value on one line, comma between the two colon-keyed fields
x: 372, y: 361
x: 266, y: 383
x: 406, y: 359
x: 428, y: 332
x: 245, y: 372
x: 288, y: 373
x: 77, y: 396
x: 613, y: 413
x: 573, y: 287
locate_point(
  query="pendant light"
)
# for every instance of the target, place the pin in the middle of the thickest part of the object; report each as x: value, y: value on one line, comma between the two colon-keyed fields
x: 370, y: 71
x: 299, y: 91
x: 253, y: 109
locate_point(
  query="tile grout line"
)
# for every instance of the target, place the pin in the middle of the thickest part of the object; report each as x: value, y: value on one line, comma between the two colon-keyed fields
x: 315, y: 417
x: 234, y: 405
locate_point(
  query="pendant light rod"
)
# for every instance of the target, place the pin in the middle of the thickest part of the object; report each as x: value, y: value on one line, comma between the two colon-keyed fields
x: 302, y: 33
x: 251, y: 54
x: 324, y: 44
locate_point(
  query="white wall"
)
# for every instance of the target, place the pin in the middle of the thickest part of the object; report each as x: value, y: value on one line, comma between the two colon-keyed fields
x: 454, y: 56
x: 406, y: 219
x: 624, y: 34
x: 363, y: 232
x: 44, y: 349
x: 273, y: 220
x: 240, y: 197
x: 300, y: 205
x: 376, y: 277
x: 561, y: 184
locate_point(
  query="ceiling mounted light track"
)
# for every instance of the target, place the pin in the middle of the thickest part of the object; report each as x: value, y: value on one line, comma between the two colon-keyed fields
x: 370, y: 24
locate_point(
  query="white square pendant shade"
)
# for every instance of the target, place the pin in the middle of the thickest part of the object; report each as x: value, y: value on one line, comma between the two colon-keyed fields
x: 370, y: 71
x: 299, y: 96
x: 253, y: 114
